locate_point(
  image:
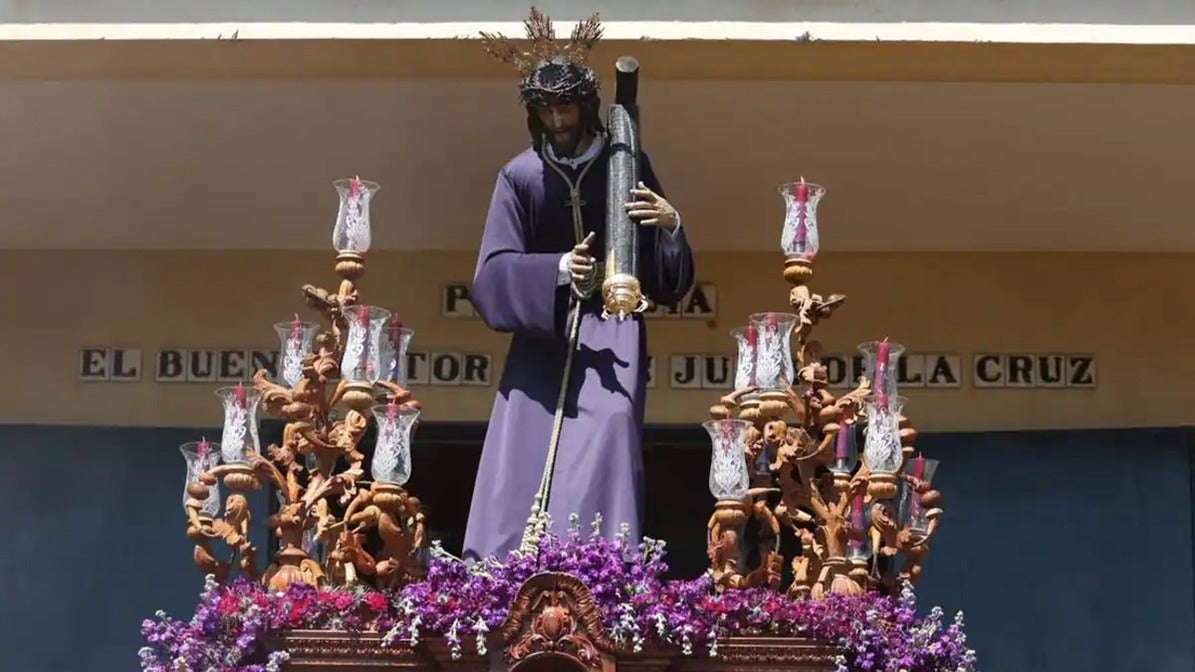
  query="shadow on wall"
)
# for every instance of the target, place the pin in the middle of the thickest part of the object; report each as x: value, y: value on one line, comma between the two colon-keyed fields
x: 1068, y: 551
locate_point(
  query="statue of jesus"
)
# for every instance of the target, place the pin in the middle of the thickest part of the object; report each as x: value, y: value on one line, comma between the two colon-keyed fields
x: 564, y: 436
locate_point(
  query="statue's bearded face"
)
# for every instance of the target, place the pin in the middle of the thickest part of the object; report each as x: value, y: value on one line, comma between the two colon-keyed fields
x: 562, y: 127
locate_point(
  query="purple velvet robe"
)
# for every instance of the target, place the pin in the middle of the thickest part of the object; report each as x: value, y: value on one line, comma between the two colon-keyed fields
x: 599, y: 465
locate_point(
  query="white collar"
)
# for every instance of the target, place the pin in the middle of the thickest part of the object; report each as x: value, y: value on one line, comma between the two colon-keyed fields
x: 595, y: 148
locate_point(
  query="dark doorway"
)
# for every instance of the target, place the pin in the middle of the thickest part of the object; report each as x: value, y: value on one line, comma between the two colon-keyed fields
x: 444, y: 458
x: 676, y: 462
x: 676, y: 468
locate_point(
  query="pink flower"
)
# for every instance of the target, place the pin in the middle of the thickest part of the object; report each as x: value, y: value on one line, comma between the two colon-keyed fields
x: 298, y: 612
x: 229, y: 605
x: 376, y: 602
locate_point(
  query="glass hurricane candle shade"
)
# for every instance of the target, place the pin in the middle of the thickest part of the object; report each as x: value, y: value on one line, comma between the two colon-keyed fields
x: 298, y: 341
x: 881, y: 366
x: 912, y: 513
x: 799, y: 238
x: 858, y: 550
x: 729, y: 477
x: 362, y: 360
x: 392, y: 453
x: 352, y: 231
x: 882, y: 451
x: 857, y: 547
x: 239, y: 439
x: 745, y: 342
x: 395, y: 341
x: 846, y: 450
x: 201, y: 457
x: 773, y: 362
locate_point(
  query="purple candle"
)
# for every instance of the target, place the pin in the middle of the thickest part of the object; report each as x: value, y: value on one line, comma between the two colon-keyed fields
x: 883, y: 348
x: 840, y: 443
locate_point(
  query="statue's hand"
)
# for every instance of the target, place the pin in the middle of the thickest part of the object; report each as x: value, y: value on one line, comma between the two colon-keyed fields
x: 651, y: 209
x: 583, y: 270
x: 580, y: 262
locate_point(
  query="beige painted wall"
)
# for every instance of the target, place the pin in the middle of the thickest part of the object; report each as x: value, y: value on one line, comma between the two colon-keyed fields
x: 1131, y: 311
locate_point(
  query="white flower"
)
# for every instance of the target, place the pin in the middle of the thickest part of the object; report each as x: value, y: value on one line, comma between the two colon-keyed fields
x: 274, y: 664
x: 481, y: 628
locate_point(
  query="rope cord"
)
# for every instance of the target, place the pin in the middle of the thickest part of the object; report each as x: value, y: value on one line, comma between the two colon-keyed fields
x: 537, y: 522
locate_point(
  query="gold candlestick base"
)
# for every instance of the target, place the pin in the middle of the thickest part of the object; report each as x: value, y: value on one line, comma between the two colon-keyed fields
x: 622, y: 296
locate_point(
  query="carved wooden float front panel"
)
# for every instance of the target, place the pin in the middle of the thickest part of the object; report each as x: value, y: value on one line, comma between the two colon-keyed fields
x: 554, y: 626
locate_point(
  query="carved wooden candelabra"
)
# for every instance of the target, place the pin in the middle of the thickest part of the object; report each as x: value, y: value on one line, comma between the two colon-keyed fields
x: 329, y: 380
x: 786, y: 450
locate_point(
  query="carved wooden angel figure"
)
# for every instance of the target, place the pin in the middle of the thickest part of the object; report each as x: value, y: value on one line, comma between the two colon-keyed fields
x: 399, y: 525
x: 233, y: 529
x: 765, y: 452
x: 835, y: 526
x: 722, y: 544
x: 341, y: 442
x: 291, y: 563
x: 416, y: 523
x: 201, y: 532
x: 810, y: 308
x: 767, y: 540
x: 795, y: 476
x: 914, y: 539
x: 807, y: 566
x: 888, y: 538
x: 349, y: 560
x: 817, y: 400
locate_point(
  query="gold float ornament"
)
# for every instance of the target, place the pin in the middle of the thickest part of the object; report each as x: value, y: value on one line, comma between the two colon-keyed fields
x: 329, y: 381
x: 787, y: 451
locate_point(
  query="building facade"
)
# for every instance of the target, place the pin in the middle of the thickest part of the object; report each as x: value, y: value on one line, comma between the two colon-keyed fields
x: 1007, y: 185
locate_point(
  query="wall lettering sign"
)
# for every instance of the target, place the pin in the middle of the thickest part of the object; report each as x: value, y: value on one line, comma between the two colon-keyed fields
x: 935, y: 371
x: 110, y: 364
x: 686, y: 371
x: 701, y: 372
x: 1033, y: 370
x: 700, y: 303
x: 231, y: 365
x: 449, y: 368
x: 454, y: 301
x: 929, y: 370
x: 212, y: 365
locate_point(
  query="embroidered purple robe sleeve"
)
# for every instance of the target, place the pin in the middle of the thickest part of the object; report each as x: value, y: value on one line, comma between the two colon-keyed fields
x: 665, y: 258
x: 514, y: 290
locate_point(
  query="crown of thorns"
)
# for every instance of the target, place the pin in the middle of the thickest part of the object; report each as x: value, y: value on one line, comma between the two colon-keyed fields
x: 550, y: 68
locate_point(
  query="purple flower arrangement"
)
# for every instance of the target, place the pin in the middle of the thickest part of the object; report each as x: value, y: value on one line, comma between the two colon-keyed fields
x: 463, y: 603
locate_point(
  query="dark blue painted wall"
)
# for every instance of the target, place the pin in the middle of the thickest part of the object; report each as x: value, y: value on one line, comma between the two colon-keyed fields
x: 1068, y: 551
x: 95, y: 543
